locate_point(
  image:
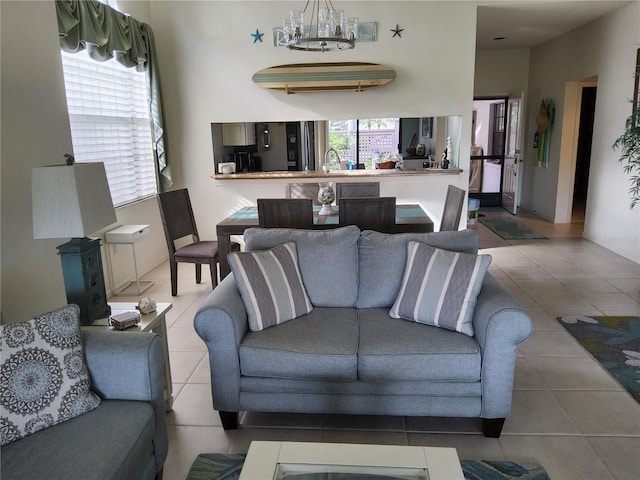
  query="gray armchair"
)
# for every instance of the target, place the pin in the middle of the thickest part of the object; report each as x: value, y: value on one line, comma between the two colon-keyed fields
x: 124, y: 438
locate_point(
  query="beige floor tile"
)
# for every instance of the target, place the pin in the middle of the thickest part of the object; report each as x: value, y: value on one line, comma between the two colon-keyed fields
x: 560, y: 301
x: 601, y: 413
x: 552, y: 343
x: 537, y: 412
x: 185, y: 340
x: 186, y: 443
x: 570, y: 373
x: 612, y: 301
x: 626, y: 285
x: 541, y: 285
x: 362, y: 436
x: 469, y: 447
x: 183, y: 364
x: 543, y: 321
x: 241, y: 438
x: 526, y: 377
x: 186, y: 319
x: 363, y: 422
x: 202, y: 373
x: 589, y: 285
x: 619, y: 454
x: 563, y: 457
x: 193, y: 406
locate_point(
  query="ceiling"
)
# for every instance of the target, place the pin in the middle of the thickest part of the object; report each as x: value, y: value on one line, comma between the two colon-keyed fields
x: 526, y: 24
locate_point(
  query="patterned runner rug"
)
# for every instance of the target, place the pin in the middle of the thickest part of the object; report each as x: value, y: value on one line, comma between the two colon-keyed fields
x: 614, y: 342
x: 508, y: 228
x: 220, y: 466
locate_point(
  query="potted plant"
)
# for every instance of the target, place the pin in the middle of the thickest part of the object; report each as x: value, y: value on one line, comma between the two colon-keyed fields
x: 629, y: 142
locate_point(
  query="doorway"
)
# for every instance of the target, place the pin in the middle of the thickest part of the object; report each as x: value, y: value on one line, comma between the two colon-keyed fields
x: 488, y: 139
x: 583, y: 154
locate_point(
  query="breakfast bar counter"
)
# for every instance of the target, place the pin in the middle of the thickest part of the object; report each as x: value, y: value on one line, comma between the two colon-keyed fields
x: 342, y: 174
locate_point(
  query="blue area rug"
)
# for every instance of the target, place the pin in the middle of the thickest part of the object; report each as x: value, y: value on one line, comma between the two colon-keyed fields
x: 614, y: 341
x: 508, y: 228
x: 220, y: 466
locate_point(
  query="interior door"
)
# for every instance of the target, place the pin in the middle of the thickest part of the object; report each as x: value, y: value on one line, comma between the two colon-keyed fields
x: 512, y: 157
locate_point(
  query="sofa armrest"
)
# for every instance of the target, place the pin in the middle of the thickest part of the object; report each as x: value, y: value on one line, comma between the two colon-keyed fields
x: 222, y: 323
x: 500, y: 324
x: 130, y: 366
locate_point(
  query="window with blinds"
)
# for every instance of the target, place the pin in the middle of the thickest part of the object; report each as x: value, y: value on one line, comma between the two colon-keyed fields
x: 110, y: 123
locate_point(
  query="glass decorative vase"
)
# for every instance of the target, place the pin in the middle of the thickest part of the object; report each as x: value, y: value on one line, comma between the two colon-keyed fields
x: 326, y: 196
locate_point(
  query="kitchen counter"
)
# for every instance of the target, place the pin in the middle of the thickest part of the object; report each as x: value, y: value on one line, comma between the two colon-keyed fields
x: 336, y: 174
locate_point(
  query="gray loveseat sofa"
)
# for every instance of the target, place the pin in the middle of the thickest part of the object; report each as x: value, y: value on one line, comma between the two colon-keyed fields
x: 124, y: 438
x: 348, y: 355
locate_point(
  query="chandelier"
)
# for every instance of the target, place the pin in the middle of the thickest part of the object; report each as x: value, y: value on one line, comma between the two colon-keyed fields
x: 328, y: 29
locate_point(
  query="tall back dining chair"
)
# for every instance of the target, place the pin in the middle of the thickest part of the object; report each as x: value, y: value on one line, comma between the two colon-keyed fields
x: 303, y: 190
x: 452, y: 209
x: 285, y: 213
x: 178, y: 222
x: 360, y: 189
x: 377, y: 214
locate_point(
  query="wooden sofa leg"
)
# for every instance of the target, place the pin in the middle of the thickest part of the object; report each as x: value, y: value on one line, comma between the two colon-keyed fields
x: 229, y: 420
x: 492, y: 427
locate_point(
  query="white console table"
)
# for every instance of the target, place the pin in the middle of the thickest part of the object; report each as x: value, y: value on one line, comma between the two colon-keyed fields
x: 127, y: 234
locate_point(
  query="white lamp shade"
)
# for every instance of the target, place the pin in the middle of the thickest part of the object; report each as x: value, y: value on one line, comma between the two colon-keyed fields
x: 70, y: 200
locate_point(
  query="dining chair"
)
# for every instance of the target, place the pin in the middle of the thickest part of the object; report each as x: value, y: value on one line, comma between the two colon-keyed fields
x: 360, y: 189
x: 178, y: 222
x: 285, y: 213
x: 452, y: 209
x: 302, y: 190
x: 377, y: 214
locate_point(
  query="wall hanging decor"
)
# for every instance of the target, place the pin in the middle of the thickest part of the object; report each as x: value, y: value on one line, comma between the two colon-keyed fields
x: 324, y: 77
x: 397, y: 32
x: 542, y: 138
x: 257, y: 36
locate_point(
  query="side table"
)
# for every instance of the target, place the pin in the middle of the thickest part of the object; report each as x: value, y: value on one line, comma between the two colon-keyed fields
x: 127, y: 234
x: 152, y: 322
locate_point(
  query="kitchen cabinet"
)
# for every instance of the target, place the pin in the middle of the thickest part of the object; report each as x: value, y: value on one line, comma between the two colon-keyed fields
x: 238, y: 134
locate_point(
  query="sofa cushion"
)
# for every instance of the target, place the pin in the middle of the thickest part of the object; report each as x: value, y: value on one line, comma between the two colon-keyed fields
x: 113, y: 441
x: 383, y: 256
x: 320, y: 345
x: 440, y: 287
x: 43, y: 378
x: 397, y: 350
x: 270, y: 285
x: 328, y: 260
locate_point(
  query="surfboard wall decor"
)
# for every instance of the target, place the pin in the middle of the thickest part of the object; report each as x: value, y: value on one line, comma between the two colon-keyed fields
x: 324, y: 77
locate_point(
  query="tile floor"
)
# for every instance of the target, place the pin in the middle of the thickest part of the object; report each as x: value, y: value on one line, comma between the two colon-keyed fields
x: 568, y: 414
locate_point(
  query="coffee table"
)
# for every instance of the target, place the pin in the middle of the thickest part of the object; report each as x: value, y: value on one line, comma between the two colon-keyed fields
x: 278, y: 460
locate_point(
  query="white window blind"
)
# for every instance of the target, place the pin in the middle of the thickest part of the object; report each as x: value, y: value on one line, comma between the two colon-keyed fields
x: 110, y: 123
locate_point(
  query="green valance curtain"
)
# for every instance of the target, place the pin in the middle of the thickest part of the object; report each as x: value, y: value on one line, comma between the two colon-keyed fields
x: 106, y: 33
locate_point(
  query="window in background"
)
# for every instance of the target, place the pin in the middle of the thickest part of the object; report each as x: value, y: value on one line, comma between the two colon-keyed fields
x: 363, y: 142
x: 109, y: 118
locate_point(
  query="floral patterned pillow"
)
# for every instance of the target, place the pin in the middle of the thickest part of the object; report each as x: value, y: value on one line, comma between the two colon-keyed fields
x: 43, y: 376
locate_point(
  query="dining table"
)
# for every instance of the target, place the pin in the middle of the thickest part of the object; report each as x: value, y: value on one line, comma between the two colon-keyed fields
x: 410, y: 218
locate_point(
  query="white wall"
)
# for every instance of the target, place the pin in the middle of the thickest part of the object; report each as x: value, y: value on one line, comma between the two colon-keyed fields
x: 207, y: 58
x: 607, y: 49
x: 35, y: 132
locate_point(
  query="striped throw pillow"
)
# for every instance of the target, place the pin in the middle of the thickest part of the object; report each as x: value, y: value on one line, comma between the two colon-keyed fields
x: 270, y: 285
x: 440, y: 287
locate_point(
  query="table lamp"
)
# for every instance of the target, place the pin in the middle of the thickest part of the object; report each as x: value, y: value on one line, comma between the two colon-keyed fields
x: 74, y: 201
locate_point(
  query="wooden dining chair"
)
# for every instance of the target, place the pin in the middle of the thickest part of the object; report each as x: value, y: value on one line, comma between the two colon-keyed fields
x: 178, y: 222
x: 452, y: 209
x: 285, y: 213
x: 377, y: 214
x: 360, y: 189
x: 303, y: 190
